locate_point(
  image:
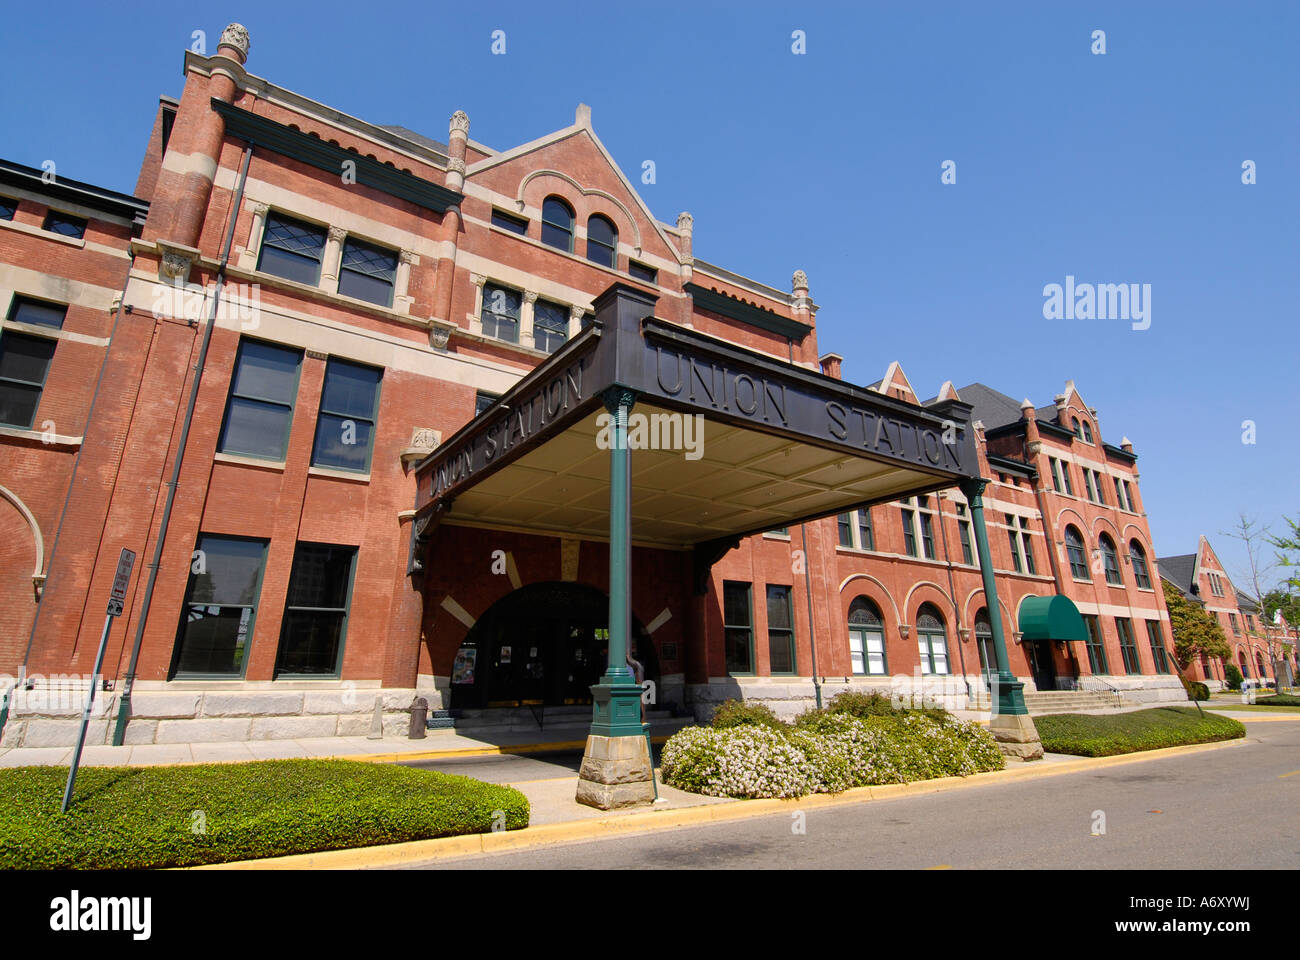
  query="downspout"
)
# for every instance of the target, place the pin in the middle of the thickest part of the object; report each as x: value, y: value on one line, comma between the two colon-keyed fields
x: 952, y: 595
x: 807, y: 583
x: 124, y: 708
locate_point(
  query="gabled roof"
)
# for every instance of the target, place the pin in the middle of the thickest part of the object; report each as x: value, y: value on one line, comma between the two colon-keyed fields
x: 992, y: 407
x: 1181, y: 572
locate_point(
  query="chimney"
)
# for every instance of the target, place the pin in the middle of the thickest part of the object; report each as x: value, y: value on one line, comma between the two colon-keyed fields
x: 831, y: 365
x: 457, y: 137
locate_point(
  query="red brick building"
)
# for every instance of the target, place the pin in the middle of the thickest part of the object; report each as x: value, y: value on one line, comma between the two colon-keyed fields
x: 358, y: 301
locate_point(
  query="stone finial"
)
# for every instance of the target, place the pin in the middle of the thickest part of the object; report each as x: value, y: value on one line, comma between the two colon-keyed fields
x: 800, y: 281
x: 582, y: 116
x: 685, y: 223
x: 459, y: 123
x: 235, y: 36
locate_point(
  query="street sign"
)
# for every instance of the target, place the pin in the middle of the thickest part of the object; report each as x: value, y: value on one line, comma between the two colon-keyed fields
x: 121, y: 580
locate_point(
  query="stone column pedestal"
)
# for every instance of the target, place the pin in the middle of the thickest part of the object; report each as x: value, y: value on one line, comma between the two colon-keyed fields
x: 616, y: 772
x: 1016, y: 735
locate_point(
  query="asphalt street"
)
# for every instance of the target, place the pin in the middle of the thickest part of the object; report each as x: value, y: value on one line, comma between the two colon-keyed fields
x: 1229, y: 808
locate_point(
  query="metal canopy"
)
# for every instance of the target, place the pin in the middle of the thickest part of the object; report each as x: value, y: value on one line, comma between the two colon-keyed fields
x: 1051, y: 618
x: 775, y: 443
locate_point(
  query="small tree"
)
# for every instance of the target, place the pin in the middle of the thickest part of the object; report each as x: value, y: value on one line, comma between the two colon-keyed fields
x: 1196, y: 633
x: 1232, y: 676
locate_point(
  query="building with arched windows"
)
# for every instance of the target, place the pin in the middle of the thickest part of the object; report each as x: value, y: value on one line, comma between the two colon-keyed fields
x: 392, y: 474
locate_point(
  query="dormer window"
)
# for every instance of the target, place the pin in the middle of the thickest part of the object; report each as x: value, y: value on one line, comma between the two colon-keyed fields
x: 602, y: 241
x: 557, y: 224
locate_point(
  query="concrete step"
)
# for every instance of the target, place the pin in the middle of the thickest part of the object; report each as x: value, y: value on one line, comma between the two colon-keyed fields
x: 1072, y: 701
x: 494, y: 720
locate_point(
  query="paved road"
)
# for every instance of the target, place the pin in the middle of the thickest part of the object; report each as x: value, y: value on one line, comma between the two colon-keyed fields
x: 1235, y: 807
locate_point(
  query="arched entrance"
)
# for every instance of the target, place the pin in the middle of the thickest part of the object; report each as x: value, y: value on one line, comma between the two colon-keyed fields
x: 545, y: 643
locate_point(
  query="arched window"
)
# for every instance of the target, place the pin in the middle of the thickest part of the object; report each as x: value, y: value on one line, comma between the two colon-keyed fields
x: 984, y: 642
x: 1074, y: 550
x: 866, y: 637
x: 602, y: 241
x: 1110, y: 561
x: 1074, y: 426
x: 1138, y: 556
x: 1245, y: 664
x: 1087, y: 431
x: 1263, y: 670
x: 931, y: 640
x: 557, y: 224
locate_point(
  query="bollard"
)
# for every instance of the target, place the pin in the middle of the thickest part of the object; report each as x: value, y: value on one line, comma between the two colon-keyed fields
x: 419, y: 718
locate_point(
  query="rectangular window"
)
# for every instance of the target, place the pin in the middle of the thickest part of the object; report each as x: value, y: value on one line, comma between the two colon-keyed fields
x: 1158, y: 653
x: 927, y: 535
x: 367, y: 272
x: 345, y: 427
x: 1128, y: 498
x: 963, y: 534
x: 909, y: 532
x: 866, y: 535
x: 509, y: 222
x: 1236, y: 627
x: 780, y: 630
x: 866, y: 650
x: 1096, y: 646
x: 38, y: 312
x: 845, y: 524
x: 484, y: 400
x: 1014, y: 536
x: 8, y: 208
x: 1065, y: 475
x: 1127, y: 645
x: 262, y: 394
x: 316, y: 611
x: 1120, y: 499
x: 550, y: 326
x: 292, y: 249
x: 65, y: 225
x: 1028, y: 546
x: 1056, y: 473
x: 1100, y: 484
x: 24, y: 365
x: 738, y: 627
x: 642, y: 272
x: 501, y: 313
x: 220, y: 606
x: 1250, y: 623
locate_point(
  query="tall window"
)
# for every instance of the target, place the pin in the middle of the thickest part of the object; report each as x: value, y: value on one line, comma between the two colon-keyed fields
x: 1128, y: 498
x: 1159, y: 655
x: 909, y: 530
x: 984, y: 642
x: 262, y: 394
x: 1236, y: 627
x: 557, y: 224
x: 1138, y: 557
x: 1110, y: 561
x: 292, y: 249
x: 65, y: 225
x: 1087, y: 431
x: 1074, y: 550
x: 24, y: 365
x: 866, y: 638
x: 866, y: 535
x: 1120, y: 499
x: 1127, y: 645
x: 220, y: 606
x: 602, y: 241
x: 844, y: 522
x: 501, y: 312
x: 963, y: 534
x: 345, y: 427
x: 1013, y: 534
x: 738, y: 627
x: 1096, y: 646
x: 550, y: 326
x: 1056, y: 473
x: 1065, y: 476
x: 927, y: 529
x: 316, y: 610
x: 931, y: 640
x: 780, y: 630
x: 367, y: 272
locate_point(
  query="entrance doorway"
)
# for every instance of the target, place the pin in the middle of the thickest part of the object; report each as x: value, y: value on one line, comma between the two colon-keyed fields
x: 1041, y: 663
x: 544, y: 644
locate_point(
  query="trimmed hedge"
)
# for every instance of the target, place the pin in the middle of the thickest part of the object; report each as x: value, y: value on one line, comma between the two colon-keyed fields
x: 170, y: 816
x: 1111, y: 734
x: 1278, y: 700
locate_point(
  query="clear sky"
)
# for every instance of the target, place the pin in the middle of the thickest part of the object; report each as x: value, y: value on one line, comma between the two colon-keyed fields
x: 1117, y: 168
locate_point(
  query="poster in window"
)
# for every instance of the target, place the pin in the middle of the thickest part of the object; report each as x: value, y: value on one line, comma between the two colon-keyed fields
x: 462, y: 669
x: 505, y: 655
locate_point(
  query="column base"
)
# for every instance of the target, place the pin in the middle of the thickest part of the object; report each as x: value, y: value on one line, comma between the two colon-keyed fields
x: 1016, y: 735
x: 615, y: 772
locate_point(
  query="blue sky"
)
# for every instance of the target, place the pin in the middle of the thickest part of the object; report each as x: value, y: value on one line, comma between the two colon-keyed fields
x: 1119, y: 168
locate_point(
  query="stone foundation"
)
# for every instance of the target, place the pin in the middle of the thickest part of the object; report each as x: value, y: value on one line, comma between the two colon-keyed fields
x: 1016, y: 735
x: 615, y: 772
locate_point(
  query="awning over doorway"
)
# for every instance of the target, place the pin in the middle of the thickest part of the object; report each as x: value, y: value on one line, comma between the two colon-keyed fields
x: 780, y: 443
x: 1051, y: 618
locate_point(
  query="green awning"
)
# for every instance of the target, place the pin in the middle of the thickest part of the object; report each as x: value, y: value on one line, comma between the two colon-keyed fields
x: 1051, y: 618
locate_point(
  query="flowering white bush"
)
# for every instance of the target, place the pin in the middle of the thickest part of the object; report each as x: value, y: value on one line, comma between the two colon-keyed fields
x: 825, y: 753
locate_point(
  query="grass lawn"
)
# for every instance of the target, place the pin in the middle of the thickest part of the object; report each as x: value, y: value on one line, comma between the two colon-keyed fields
x: 136, y: 817
x: 1109, y: 734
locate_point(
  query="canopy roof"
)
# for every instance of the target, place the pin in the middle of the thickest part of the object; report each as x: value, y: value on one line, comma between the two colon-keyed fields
x: 1051, y: 618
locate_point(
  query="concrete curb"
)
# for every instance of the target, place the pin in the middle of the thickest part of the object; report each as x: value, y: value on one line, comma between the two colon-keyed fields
x: 400, y: 854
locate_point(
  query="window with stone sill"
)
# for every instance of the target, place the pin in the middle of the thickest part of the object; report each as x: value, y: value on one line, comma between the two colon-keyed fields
x: 65, y: 225
x: 501, y: 310
x: 550, y: 326
x: 292, y: 249
x: 367, y: 272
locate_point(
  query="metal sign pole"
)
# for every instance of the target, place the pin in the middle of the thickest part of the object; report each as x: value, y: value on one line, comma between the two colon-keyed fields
x: 116, y: 599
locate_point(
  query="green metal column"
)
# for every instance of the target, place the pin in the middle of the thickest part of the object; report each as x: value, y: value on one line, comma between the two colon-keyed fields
x: 1010, y: 691
x: 617, y: 698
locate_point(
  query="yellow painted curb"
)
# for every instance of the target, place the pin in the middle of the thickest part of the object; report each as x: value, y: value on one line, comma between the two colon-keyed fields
x: 398, y: 854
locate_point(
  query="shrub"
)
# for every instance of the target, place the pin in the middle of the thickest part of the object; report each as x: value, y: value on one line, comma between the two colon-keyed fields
x: 1110, y: 734
x: 143, y: 817
x: 737, y: 713
x: 828, y: 752
x: 1278, y: 700
x: 863, y: 705
x: 1198, y: 691
x: 1232, y: 676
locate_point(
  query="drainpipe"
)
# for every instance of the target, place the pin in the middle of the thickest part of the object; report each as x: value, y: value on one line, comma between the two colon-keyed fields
x: 812, y: 636
x: 952, y: 595
x: 124, y: 708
